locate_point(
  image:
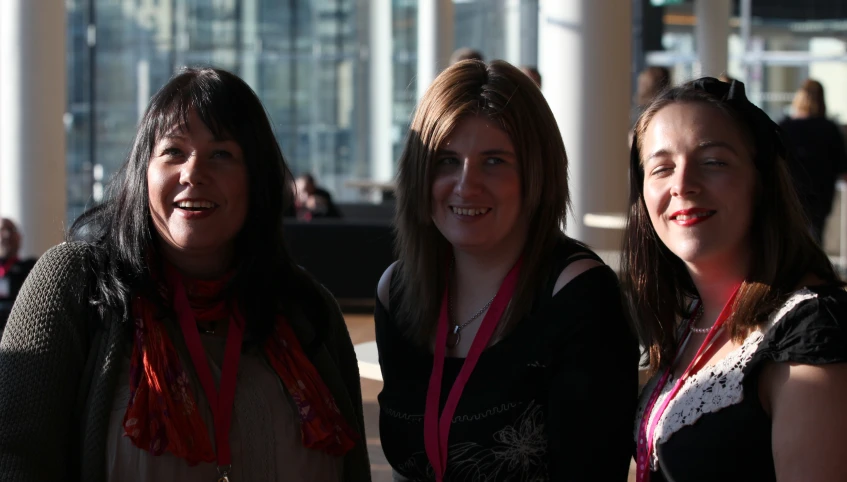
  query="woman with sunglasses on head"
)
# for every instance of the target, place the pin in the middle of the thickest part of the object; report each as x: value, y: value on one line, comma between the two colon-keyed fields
x: 504, y: 347
x: 742, y: 313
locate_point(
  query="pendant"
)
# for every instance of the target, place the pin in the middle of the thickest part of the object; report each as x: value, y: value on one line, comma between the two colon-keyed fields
x: 207, y: 328
x: 223, y: 473
x: 453, y: 338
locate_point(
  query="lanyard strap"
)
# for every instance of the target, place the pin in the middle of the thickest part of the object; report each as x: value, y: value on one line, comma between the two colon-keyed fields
x: 7, y: 265
x: 221, y: 401
x: 649, y: 418
x: 437, y: 429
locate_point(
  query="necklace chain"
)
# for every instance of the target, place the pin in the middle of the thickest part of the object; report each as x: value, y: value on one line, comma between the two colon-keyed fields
x: 697, y: 317
x: 457, y: 327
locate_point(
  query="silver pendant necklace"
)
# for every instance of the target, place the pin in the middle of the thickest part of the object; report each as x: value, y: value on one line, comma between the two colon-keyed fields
x: 455, y: 336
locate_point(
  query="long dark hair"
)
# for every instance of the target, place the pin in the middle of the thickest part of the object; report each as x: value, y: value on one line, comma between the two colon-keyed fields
x: 659, y: 286
x: 511, y: 99
x: 120, y: 232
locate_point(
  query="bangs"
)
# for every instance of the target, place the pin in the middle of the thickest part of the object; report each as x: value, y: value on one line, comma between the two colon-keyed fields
x: 209, y: 100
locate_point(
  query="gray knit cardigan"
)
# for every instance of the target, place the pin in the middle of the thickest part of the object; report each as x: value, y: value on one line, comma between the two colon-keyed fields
x: 59, y: 364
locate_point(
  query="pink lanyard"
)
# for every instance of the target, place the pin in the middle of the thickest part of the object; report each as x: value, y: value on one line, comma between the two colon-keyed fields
x: 7, y: 265
x: 649, y: 420
x: 437, y: 429
x: 221, y: 401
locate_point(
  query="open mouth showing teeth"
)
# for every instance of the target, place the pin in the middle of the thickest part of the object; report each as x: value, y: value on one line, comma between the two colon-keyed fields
x: 195, y: 205
x: 469, y: 212
x: 687, y: 217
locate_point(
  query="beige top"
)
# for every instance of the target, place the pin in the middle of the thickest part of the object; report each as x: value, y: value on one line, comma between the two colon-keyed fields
x: 265, y: 432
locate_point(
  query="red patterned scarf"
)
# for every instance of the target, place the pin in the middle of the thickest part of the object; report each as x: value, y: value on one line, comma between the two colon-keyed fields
x: 162, y: 412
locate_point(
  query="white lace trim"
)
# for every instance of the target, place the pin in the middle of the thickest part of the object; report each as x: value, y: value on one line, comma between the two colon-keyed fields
x: 712, y: 388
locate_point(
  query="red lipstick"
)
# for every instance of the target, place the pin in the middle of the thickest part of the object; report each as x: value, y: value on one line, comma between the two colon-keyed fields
x: 690, y: 217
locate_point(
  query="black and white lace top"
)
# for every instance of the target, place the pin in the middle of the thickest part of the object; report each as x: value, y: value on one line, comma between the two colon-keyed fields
x: 715, y: 428
x: 552, y: 400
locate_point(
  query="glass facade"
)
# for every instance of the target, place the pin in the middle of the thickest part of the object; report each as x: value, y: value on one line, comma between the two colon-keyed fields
x: 789, y: 42
x: 306, y: 59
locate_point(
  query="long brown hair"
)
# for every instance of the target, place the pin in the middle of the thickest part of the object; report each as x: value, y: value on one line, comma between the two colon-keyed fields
x: 659, y: 287
x: 505, y: 95
x: 809, y: 100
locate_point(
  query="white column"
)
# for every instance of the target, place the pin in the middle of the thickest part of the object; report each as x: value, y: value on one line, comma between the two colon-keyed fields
x: 381, y: 91
x: 712, y: 33
x: 142, y: 98
x: 435, y: 40
x: 584, y: 54
x: 512, y: 24
x: 32, y: 135
x: 529, y: 32
x: 521, y: 32
x: 251, y: 43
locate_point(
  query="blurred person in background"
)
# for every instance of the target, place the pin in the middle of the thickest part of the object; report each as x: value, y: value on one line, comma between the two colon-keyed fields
x: 13, y: 270
x: 651, y: 81
x: 313, y: 201
x: 533, y: 74
x: 465, y: 53
x: 174, y: 338
x: 820, y: 150
x: 504, y: 347
x: 741, y: 312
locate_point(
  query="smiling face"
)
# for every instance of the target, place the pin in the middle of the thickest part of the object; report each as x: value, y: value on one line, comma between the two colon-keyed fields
x: 476, y: 191
x: 699, y: 183
x: 197, y: 186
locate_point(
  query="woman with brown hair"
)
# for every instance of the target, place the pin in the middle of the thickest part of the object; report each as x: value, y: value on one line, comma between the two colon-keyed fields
x: 821, y: 155
x: 504, y: 347
x: 742, y: 313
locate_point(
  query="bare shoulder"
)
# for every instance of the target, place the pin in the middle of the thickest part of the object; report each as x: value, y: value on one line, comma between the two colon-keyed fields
x: 573, y: 270
x: 806, y: 403
x: 383, y: 288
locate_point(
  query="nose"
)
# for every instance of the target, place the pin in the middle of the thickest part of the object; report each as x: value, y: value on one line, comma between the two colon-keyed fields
x: 470, y: 179
x: 686, y: 180
x: 193, y: 171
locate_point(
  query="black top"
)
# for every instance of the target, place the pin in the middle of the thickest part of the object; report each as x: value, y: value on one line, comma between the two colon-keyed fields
x: 820, y: 150
x: 11, y: 285
x: 331, y: 210
x: 732, y: 440
x: 552, y: 400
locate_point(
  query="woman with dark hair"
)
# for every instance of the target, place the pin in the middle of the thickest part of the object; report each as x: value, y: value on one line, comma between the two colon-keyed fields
x: 741, y: 311
x: 174, y: 338
x: 504, y: 348
x: 821, y: 155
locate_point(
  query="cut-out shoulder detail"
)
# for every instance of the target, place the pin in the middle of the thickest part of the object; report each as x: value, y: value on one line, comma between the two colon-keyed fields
x: 383, y: 288
x: 572, y: 271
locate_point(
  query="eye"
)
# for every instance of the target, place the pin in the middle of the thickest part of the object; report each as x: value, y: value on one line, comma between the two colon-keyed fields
x: 715, y: 162
x: 448, y: 161
x: 220, y: 153
x: 660, y: 171
x: 493, y: 161
x: 171, y: 151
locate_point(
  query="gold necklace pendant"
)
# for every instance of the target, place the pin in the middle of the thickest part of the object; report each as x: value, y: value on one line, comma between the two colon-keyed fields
x: 223, y: 473
x: 454, y: 337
